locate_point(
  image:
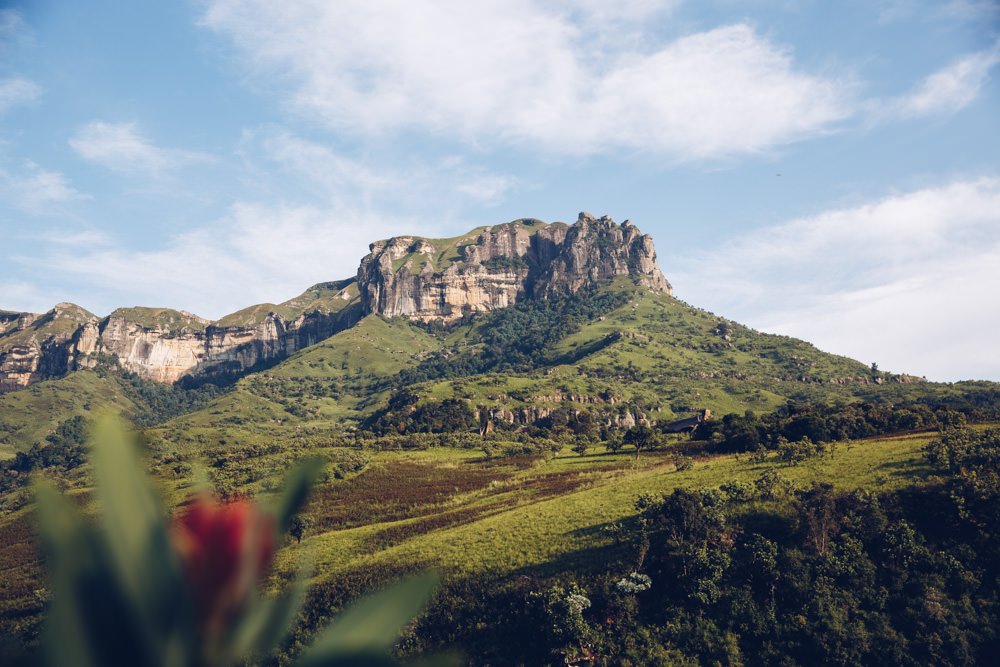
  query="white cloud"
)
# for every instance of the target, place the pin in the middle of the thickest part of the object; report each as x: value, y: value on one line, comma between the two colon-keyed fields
x: 35, y: 190
x: 17, y: 91
x: 910, y: 281
x: 518, y: 72
x: 122, y: 147
x: 23, y: 297
x: 346, y: 181
x: 255, y: 254
x: 950, y: 89
x: 77, y: 238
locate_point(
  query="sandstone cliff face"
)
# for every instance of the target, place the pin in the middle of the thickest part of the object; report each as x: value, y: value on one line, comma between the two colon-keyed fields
x: 595, y: 250
x: 163, y: 354
x: 498, y: 266
x: 34, y: 347
x: 166, y: 345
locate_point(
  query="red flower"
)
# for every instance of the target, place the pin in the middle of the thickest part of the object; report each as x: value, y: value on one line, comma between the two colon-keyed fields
x: 225, y: 549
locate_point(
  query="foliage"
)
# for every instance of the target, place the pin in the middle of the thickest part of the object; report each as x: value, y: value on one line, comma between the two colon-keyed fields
x: 518, y: 338
x: 135, y: 590
x: 65, y: 450
x: 157, y: 402
x: 450, y: 415
x: 812, y: 424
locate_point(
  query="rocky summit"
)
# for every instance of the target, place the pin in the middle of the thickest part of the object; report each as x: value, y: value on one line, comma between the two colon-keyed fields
x: 495, y: 267
x: 408, y: 276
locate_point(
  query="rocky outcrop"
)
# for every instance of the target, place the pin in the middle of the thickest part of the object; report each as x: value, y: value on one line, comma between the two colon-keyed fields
x: 163, y: 354
x: 37, y: 346
x: 495, y: 267
x: 166, y: 345
x: 597, y: 250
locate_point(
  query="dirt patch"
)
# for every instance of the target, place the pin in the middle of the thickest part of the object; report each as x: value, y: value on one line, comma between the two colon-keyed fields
x: 393, y: 535
x: 401, y: 490
x: 20, y: 573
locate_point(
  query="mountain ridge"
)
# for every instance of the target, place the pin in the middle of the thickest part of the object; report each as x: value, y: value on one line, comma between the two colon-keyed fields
x: 485, y: 269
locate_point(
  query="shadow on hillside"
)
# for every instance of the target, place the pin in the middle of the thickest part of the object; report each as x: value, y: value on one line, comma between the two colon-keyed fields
x: 591, y: 560
x: 906, y: 469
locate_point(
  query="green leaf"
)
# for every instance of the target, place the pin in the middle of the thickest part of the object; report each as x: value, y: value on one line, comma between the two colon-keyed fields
x: 267, y: 622
x: 371, y: 626
x: 60, y: 530
x: 297, y: 484
x: 139, y: 551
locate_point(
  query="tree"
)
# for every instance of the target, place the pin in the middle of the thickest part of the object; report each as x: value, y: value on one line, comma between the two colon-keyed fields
x: 641, y: 437
x: 298, y: 526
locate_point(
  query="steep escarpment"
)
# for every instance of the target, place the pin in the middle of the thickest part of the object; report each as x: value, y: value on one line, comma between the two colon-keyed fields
x: 167, y: 345
x: 422, y: 279
x: 37, y: 346
x: 495, y: 267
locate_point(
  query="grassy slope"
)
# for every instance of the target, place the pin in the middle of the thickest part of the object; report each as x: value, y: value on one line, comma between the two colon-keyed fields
x: 27, y: 416
x: 323, y: 297
x: 655, y: 351
x: 324, y: 384
x: 552, y: 512
x: 671, y: 358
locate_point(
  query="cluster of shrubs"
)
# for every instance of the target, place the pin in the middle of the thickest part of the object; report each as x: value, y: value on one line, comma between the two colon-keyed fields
x: 813, y: 576
x: 516, y: 339
x: 402, y: 415
x: 64, y: 450
x: 784, y: 429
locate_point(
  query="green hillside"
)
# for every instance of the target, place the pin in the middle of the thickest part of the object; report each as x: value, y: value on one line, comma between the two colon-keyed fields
x: 620, y: 349
x: 27, y: 416
x: 328, y: 297
x: 528, y: 455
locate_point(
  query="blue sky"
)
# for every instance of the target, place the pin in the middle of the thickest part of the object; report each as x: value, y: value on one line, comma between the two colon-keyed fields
x: 824, y: 170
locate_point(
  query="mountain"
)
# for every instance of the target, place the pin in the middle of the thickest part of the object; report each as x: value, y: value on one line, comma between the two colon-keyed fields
x: 417, y: 278
x: 36, y: 346
x: 482, y: 401
x: 521, y: 320
x: 166, y: 345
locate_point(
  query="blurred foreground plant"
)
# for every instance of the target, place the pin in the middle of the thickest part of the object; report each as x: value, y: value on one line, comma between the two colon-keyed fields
x: 135, y: 589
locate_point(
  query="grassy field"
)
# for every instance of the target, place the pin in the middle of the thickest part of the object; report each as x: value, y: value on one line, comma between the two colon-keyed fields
x: 455, y: 510
x: 31, y: 414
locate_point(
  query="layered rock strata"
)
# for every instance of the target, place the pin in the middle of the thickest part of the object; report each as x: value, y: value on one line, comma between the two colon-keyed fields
x: 498, y: 266
x: 166, y: 345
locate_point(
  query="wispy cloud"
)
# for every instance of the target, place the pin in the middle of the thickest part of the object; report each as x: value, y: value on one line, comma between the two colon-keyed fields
x: 255, y: 254
x: 950, y: 89
x: 18, y: 91
x: 33, y: 189
x: 122, y: 147
x: 349, y: 181
x: 908, y: 281
x: 22, y: 296
x: 523, y: 73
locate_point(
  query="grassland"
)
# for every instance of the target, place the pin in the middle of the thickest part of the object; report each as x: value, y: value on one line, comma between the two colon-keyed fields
x: 453, y: 509
x: 27, y: 416
x: 328, y: 297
